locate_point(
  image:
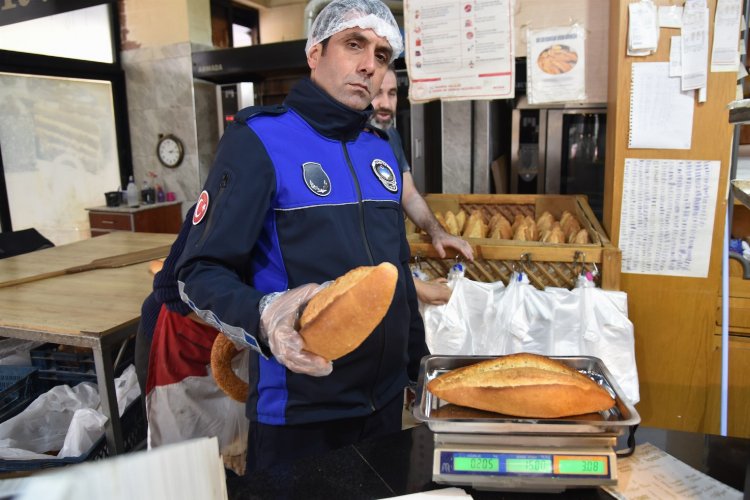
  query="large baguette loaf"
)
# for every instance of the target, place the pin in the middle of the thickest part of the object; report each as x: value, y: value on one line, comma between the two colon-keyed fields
x: 523, y: 385
x: 340, y: 317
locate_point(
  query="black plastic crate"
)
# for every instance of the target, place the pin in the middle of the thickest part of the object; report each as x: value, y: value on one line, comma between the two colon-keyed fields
x: 134, y: 432
x: 17, y: 385
x: 24, y: 391
x: 70, y: 367
x: 63, y: 366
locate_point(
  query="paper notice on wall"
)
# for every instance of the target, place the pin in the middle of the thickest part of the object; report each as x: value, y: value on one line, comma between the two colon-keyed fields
x: 670, y: 16
x: 643, y: 28
x: 675, y: 57
x: 694, y: 45
x: 725, y: 55
x: 667, y: 216
x: 661, y: 115
x: 555, y: 65
x: 459, y: 50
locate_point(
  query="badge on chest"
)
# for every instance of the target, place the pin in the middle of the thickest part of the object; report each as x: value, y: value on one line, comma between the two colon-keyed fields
x: 385, y: 175
x: 316, y: 178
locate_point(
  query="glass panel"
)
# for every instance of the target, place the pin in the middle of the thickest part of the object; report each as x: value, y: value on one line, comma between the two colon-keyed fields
x: 59, y: 152
x: 242, y: 36
x: 582, y: 167
x: 79, y: 34
x: 528, y: 151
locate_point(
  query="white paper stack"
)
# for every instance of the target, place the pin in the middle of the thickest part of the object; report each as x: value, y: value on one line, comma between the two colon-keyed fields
x: 183, y: 471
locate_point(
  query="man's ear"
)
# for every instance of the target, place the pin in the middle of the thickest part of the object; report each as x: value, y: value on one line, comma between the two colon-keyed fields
x: 314, y: 56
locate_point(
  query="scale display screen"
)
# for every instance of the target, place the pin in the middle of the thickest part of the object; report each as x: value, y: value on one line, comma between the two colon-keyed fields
x: 524, y: 464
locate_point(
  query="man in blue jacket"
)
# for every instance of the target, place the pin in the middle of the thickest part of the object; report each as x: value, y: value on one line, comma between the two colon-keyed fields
x: 298, y: 195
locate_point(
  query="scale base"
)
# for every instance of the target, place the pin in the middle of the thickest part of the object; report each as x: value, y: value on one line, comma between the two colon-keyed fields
x: 520, y: 487
x: 536, y: 464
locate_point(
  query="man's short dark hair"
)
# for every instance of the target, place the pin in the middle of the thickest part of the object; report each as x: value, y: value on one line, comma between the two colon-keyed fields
x: 323, y: 46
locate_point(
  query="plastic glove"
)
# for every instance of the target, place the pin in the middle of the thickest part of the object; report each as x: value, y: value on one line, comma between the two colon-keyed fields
x: 278, y: 322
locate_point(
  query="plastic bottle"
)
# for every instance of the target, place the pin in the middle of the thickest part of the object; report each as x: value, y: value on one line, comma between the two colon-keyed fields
x: 159, y: 194
x: 132, y: 193
x: 148, y: 193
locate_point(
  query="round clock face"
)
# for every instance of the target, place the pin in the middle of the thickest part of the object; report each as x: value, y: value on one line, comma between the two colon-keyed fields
x: 169, y: 151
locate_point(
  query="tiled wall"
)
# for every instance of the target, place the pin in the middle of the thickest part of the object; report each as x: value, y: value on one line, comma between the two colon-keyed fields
x: 163, y: 98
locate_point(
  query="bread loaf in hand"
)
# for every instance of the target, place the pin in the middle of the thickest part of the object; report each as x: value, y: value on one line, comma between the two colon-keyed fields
x: 340, y: 317
x: 522, y: 385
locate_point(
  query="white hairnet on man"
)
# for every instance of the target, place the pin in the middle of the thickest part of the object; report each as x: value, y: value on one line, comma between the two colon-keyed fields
x: 340, y: 15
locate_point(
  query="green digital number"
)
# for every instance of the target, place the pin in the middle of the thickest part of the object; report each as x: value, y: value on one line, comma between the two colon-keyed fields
x: 595, y: 467
x: 476, y: 464
x: 528, y: 465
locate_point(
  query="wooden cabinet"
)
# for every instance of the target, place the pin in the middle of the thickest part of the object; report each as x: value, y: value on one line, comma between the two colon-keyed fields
x: 156, y: 218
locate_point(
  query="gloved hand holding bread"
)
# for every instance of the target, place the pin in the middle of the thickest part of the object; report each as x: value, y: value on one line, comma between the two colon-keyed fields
x: 278, y: 328
x: 308, y: 327
x: 522, y: 385
x: 342, y: 316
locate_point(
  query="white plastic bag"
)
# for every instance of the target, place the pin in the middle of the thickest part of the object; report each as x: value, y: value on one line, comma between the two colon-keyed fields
x: 608, y: 334
x: 488, y: 319
x: 87, y: 426
x: 589, y: 321
x: 64, y: 418
x: 127, y: 388
x: 451, y: 328
x: 522, y: 320
x: 196, y: 407
x: 43, y: 425
x: 85, y: 430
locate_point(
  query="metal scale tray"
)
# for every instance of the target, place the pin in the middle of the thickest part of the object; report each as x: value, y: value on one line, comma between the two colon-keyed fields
x: 442, y: 417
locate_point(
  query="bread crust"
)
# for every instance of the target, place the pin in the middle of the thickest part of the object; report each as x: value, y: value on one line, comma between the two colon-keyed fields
x: 339, y: 318
x: 155, y: 266
x: 223, y: 352
x: 523, y: 385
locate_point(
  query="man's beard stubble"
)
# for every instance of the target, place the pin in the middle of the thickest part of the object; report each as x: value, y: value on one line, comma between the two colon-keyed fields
x: 383, y: 125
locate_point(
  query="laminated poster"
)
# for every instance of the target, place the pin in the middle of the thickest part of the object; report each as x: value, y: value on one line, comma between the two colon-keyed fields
x: 555, y: 65
x: 459, y: 50
x: 667, y: 216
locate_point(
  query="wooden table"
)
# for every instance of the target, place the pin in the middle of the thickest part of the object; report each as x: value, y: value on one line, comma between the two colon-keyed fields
x: 96, y: 309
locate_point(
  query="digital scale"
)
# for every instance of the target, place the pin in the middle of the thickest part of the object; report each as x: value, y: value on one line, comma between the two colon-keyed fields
x: 489, y: 451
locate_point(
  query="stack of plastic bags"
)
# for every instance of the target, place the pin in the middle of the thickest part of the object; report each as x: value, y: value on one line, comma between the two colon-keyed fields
x: 490, y: 319
x: 64, y: 418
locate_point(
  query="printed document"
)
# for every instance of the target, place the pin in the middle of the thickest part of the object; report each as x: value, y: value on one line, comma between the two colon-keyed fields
x: 667, y: 216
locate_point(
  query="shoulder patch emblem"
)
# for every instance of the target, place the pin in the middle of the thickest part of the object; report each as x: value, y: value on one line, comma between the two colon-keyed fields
x: 201, y: 207
x: 385, y: 175
x: 316, y: 178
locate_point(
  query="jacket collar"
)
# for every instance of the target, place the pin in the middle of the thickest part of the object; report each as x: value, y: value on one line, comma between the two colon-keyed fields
x: 324, y: 113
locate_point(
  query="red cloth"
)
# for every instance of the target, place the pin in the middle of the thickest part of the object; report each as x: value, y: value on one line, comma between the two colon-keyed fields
x: 181, y: 348
x: 182, y: 400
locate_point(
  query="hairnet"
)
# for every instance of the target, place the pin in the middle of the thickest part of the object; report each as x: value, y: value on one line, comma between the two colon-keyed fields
x: 340, y: 15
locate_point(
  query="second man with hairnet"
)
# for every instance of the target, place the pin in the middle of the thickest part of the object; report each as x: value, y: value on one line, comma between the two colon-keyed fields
x: 298, y: 195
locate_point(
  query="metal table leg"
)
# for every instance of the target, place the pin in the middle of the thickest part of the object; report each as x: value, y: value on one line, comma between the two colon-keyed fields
x: 105, y: 376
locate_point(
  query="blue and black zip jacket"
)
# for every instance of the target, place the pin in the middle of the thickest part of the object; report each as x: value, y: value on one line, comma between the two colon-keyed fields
x: 303, y: 193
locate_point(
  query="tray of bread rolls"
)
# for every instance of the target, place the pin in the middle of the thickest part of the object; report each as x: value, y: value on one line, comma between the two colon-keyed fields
x: 501, y: 395
x: 552, y: 238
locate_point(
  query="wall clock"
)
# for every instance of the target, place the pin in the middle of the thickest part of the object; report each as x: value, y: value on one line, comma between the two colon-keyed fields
x: 170, y: 150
